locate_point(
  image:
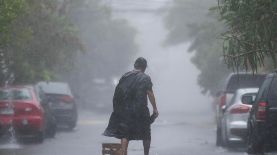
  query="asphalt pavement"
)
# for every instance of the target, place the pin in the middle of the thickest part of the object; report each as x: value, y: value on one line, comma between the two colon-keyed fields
x: 172, y: 134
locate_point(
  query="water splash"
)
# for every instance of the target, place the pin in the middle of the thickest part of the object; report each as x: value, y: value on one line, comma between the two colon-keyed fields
x: 12, y: 141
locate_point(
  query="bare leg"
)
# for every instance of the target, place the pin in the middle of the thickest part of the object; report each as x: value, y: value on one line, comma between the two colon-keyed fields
x: 124, y: 144
x: 146, y: 145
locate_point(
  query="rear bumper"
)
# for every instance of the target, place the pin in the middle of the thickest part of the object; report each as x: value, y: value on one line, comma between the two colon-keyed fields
x: 237, y: 131
x: 241, y: 133
x: 4, y: 129
x: 65, y: 115
x: 28, y: 125
x: 5, y: 124
x: 267, y: 133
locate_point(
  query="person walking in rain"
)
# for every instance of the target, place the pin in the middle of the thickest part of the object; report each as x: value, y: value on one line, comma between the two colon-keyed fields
x: 131, y: 119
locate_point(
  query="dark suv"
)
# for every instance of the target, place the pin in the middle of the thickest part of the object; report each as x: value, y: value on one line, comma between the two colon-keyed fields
x: 61, y: 101
x: 262, y: 122
x: 233, y: 82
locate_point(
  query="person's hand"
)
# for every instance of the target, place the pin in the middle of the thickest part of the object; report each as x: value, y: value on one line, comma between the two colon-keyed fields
x: 156, y: 113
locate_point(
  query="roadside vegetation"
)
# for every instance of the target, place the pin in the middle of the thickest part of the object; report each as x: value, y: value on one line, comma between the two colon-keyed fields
x: 250, y: 36
x: 225, y: 36
x: 37, y: 40
x: 193, y: 21
x: 60, y: 39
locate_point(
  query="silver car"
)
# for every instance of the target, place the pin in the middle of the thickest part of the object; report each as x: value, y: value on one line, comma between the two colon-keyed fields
x: 235, y: 115
x: 233, y: 82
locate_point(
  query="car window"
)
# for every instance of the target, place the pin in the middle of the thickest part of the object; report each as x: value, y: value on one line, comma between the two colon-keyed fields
x: 4, y: 95
x: 15, y: 94
x: 248, y: 98
x: 273, y: 89
x: 55, y: 88
x: 39, y: 93
x: 244, y: 81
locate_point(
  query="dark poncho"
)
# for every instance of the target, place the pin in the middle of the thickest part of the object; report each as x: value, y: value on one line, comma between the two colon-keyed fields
x: 131, y: 118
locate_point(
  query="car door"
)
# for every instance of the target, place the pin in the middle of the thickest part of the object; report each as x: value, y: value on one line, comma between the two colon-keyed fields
x: 262, y: 96
x: 272, y: 105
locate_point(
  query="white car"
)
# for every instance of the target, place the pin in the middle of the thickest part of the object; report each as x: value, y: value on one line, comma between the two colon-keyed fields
x: 233, y: 82
x: 235, y: 116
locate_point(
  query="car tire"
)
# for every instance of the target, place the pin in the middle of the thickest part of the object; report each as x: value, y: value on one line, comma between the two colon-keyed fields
x: 40, y: 137
x: 218, y: 137
x: 71, y: 125
x: 253, y: 146
x: 51, y: 132
x: 51, y: 128
x: 225, y: 140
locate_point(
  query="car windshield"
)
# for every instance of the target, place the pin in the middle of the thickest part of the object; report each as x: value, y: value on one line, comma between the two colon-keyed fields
x: 55, y: 88
x: 244, y: 81
x: 15, y: 94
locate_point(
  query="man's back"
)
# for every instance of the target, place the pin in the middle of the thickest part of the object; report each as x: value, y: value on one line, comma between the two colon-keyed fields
x: 130, y: 119
x: 131, y: 92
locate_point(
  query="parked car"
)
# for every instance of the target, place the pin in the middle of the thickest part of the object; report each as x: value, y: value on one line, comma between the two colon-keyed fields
x: 62, y: 102
x: 232, y: 83
x: 262, y: 123
x: 21, y: 108
x: 50, y: 120
x: 235, y: 116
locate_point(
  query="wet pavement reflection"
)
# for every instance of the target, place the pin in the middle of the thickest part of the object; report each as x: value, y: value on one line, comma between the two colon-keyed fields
x: 176, y: 134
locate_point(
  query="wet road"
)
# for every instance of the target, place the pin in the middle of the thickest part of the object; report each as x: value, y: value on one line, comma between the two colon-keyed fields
x: 172, y: 134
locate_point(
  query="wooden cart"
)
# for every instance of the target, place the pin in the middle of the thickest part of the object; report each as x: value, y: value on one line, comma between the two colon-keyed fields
x: 111, y: 149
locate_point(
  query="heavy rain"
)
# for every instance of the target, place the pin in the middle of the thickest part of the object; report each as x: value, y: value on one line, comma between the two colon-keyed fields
x: 113, y: 77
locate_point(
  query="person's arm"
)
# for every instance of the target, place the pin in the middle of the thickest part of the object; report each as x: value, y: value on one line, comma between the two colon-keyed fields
x: 152, y: 99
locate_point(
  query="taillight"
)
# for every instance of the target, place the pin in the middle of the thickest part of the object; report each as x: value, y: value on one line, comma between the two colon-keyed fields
x: 28, y: 110
x: 261, y: 113
x: 222, y: 100
x: 66, y: 98
x: 239, y: 109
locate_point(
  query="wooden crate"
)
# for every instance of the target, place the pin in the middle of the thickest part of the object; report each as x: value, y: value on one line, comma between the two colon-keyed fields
x: 111, y: 149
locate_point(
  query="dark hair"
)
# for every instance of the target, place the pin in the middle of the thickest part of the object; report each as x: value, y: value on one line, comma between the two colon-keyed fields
x: 140, y: 63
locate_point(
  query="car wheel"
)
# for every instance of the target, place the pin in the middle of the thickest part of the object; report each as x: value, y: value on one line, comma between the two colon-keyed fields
x: 225, y: 139
x: 51, y: 128
x: 72, y: 125
x: 253, y: 146
x: 40, y: 137
x: 218, y: 137
x: 51, y: 132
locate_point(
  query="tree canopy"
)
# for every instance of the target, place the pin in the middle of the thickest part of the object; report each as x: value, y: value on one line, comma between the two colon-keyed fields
x: 250, y: 39
x: 193, y: 21
x: 44, y: 40
x: 37, y: 40
x: 109, y: 48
